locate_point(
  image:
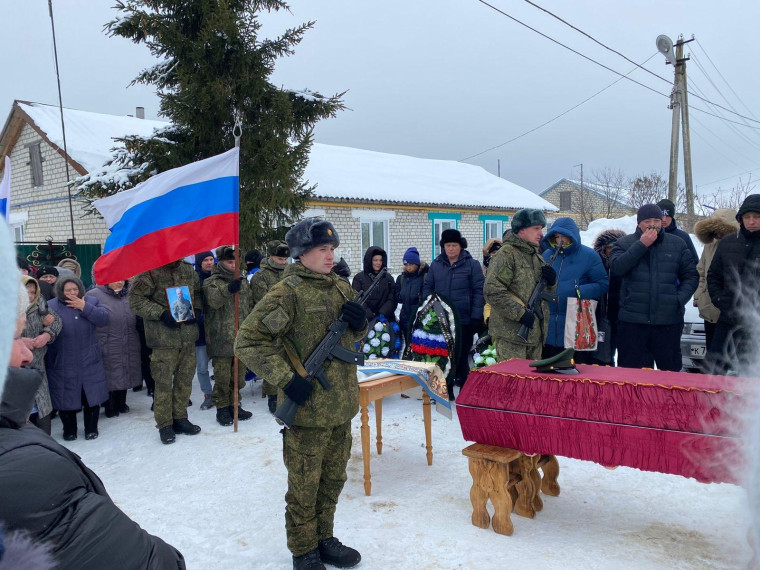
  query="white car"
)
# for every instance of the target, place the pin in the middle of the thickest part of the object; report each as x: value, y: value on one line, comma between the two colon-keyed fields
x: 693, y: 345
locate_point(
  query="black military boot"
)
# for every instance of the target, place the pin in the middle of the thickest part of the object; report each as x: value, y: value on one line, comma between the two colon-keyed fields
x: 183, y: 425
x: 332, y: 552
x: 224, y: 416
x: 242, y: 414
x: 308, y: 561
x: 166, y: 434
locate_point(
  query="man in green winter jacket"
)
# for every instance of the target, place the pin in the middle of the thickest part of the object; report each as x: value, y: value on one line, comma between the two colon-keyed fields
x: 262, y: 281
x: 276, y: 338
x: 219, y: 295
x: 172, y: 362
x: 512, y: 275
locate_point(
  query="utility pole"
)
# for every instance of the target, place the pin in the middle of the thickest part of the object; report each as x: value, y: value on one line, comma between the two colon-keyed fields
x: 679, y: 102
x: 498, y: 167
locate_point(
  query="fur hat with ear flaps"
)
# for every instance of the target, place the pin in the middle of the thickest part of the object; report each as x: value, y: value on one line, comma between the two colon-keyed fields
x: 526, y: 218
x: 278, y: 248
x: 452, y: 236
x: 225, y: 253
x: 310, y: 233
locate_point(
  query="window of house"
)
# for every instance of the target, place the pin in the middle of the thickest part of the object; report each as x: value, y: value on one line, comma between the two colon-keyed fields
x: 18, y: 232
x: 35, y: 163
x: 441, y: 221
x: 374, y: 232
x: 565, y: 200
x: 493, y: 226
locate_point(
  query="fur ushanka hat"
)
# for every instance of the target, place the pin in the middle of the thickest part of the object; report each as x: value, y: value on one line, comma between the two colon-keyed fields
x: 278, y: 248
x: 310, y: 233
x: 528, y: 217
x: 452, y: 236
x: 225, y: 253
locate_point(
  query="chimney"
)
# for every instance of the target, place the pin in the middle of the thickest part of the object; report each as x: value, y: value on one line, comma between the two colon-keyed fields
x: 140, y: 112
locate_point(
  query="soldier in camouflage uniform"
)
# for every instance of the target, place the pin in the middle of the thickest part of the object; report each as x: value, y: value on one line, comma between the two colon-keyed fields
x: 172, y: 362
x: 219, y: 294
x: 269, y: 273
x: 275, y: 339
x: 512, y: 275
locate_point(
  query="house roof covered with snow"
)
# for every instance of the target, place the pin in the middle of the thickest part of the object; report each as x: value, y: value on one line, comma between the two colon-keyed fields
x: 620, y: 196
x: 342, y: 174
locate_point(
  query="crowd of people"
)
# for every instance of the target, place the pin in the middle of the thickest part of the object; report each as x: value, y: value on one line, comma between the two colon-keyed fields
x: 170, y: 324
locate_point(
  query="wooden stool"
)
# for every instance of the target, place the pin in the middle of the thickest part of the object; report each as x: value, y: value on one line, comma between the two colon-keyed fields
x: 491, y: 479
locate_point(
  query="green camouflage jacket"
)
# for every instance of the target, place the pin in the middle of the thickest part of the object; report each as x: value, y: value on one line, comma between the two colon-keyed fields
x: 262, y: 281
x: 296, y: 313
x: 512, y: 275
x: 219, y: 311
x: 147, y: 299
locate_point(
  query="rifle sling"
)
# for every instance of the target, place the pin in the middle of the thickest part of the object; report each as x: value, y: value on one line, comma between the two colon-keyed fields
x: 294, y: 362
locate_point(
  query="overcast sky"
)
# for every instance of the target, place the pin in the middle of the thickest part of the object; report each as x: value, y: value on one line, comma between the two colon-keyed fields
x: 448, y: 79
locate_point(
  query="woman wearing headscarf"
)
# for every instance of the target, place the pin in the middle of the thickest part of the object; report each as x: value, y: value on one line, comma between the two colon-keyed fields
x: 119, y: 345
x: 76, y: 377
x: 42, y: 328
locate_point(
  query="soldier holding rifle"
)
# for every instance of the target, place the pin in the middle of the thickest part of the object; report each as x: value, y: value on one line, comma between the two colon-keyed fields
x: 275, y: 340
x: 517, y: 276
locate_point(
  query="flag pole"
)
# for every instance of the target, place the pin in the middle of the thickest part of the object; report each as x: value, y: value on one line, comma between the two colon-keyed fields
x: 237, y: 130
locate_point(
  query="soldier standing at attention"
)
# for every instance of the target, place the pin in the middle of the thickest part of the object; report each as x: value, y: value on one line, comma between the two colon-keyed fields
x: 269, y: 273
x: 172, y: 362
x: 219, y: 293
x: 276, y: 338
x: 512, y: 275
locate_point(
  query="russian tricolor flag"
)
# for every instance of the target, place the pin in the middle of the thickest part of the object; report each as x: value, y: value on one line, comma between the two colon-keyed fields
x: 170, y: 216
x: 5, y: 191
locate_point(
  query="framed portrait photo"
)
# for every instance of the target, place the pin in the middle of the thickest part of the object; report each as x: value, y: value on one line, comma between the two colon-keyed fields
x: 180, y: 303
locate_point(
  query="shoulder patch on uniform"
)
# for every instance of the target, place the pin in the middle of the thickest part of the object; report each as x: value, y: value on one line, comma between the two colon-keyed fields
x: 276, y: 321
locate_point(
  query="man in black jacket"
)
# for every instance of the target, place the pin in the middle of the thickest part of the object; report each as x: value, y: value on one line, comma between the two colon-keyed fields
x: 732, y: 281
x: 659, y: 276
x: 669, y: 226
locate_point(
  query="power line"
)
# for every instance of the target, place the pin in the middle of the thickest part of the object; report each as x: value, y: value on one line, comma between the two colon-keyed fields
x: 554, y: 118
x: 730, y: 177
x: 616, y: 52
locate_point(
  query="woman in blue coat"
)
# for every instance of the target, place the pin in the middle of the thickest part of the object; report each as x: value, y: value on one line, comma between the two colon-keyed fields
x: 74, y: 364
x: 579, y: 270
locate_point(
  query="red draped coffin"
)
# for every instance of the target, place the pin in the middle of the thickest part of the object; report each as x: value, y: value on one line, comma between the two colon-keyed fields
x: 669, y: 422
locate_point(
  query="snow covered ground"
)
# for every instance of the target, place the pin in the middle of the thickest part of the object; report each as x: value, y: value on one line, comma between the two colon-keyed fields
x: 218, y: 497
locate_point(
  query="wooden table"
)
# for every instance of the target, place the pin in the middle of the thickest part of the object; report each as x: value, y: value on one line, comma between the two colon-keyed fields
x: 375, y: 391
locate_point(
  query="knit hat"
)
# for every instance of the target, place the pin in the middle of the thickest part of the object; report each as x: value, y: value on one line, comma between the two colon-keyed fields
x: 47, y: 270
x: 199, y: 257
x: 648, y: 211
x: 526, y: 218
x: 668, y: 208
x: 310, y: 233
x: 278, y: 248
x: 253, y: 259
x: 225, y: 253
x: 412, y: 256
x: 342, y: 269
x: 452, y: 236
x: 751, y: 204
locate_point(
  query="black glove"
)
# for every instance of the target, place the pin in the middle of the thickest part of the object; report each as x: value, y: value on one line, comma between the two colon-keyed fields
x: 477, y: 326
x: 528, y: 318
x: 298, y: 389
x: 168, y: 320
x: 549, y: 275
x: 353, y: 314
x: 235, y: 286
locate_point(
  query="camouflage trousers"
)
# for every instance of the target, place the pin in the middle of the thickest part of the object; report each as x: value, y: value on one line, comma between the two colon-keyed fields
x: 268, y: 389
x: 506, y: 349
x: 316, y: 460
x: 224, y: 387
x: 172, y: 370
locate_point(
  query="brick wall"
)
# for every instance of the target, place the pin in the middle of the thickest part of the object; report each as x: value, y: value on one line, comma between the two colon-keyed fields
x: 47, y: 207
x: 594, y: 204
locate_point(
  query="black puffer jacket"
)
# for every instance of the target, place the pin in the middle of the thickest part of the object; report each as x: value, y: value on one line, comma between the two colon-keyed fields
x: 658, y: 280
x: 673, y: 230
x: 47, y: 491
x: 409, y: 292
x: 462, y: 282
x: 735, y: 268
x: 382, y: 301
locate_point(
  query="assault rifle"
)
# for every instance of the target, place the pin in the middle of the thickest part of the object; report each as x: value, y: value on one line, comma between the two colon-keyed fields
x: 328, y: 348
x: 539, y: 294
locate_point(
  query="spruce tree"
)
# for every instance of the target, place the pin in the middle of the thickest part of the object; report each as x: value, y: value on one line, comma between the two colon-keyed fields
x: 213, y: 68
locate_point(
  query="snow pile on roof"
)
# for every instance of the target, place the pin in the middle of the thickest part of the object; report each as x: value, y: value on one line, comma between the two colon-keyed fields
x: 339, y: 172
x: 351, y: 173
x: 90, y: 137
x: 621, y: 195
